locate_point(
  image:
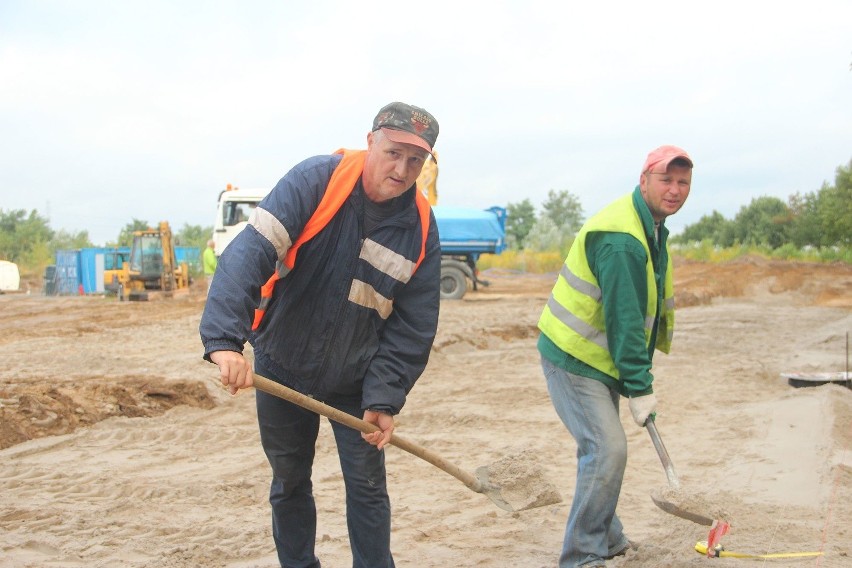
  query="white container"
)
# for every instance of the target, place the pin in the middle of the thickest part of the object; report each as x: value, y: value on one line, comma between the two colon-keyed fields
x: 10, y: 278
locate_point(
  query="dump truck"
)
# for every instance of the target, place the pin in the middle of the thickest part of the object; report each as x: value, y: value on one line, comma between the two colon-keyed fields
x: 465, y: 233
x: 233, y: 209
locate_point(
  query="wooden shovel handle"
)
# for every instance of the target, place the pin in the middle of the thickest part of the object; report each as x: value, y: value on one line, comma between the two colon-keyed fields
x: 661, y: 451
x: 277, y: 389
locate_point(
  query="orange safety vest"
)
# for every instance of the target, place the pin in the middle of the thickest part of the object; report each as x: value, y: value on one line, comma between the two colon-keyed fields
x: 340, y: 186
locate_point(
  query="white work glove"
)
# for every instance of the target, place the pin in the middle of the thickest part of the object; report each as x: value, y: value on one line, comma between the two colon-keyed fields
x: 642, y: 407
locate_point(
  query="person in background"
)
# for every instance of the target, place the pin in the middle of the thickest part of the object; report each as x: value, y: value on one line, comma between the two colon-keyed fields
x: 336, y: 282
x: 427, y: 181
x: 611, y: 307
x: 209, y: 261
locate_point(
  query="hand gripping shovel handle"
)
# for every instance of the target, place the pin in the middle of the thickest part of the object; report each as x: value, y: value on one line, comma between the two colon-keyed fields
x: 277, y: 389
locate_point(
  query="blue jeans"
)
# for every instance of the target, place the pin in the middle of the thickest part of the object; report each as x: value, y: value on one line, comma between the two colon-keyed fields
x: 288, y: 434
x: 589, y: 409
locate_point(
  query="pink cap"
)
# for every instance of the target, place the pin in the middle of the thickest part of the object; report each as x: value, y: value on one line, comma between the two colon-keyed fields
x: 658, y: 160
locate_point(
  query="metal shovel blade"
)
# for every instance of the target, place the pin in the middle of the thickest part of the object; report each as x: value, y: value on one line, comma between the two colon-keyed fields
x: 522, y: 485
x: 665, y: 503
x: 485, y: 482
x: 665, y: 500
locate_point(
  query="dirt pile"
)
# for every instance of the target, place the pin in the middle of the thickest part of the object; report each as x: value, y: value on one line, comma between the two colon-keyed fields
x: 36, y: 406
x: 159, y: 467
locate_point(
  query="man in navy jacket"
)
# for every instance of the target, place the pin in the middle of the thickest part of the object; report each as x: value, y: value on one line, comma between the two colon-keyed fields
x: 350, y: 320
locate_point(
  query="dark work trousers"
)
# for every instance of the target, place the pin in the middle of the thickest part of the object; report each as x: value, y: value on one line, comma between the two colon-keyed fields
x: 288, y: 434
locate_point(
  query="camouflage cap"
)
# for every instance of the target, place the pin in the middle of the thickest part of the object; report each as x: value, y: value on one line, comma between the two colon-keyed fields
x: 407, y: 124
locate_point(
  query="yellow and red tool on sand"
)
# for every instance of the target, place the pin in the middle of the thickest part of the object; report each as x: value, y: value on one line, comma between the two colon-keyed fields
x: 719, y: 551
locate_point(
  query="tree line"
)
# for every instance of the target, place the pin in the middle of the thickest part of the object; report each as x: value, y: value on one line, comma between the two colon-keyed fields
x: 818, y: 219
x: 27, y: 239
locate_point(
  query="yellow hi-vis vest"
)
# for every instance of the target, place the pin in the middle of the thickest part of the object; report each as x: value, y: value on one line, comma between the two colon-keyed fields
x: 574, y: 318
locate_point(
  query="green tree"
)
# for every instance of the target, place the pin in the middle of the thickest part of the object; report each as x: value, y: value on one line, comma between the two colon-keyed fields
x: 544, y: 235
x: 820, y: 219
x: 125, y: 237
x: 24, y: 238
x: 765, y: 221
x: 713, y: 227
x: 835, y: 209
x: 194, y: 236
x: 805, y: 229
x: 62, y: 239
x: 520, y: 218
x: 565, y: 210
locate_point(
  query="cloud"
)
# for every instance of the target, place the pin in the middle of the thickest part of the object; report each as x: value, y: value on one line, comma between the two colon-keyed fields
x: 146, y: 110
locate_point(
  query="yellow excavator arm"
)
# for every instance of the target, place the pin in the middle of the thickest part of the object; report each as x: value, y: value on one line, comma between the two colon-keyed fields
x: 427, y: 181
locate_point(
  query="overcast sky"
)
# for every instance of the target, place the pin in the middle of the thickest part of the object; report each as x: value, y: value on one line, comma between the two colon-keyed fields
x: 118, y: 110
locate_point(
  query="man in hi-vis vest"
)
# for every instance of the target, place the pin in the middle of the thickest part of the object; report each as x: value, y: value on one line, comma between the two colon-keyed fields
x: 611, y: 307
x: 336, y: 283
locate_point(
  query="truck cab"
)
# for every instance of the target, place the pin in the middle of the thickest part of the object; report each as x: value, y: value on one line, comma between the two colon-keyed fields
x: 233, y: 211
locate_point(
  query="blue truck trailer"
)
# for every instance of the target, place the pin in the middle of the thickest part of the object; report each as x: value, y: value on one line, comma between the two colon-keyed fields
x: 466, y: 234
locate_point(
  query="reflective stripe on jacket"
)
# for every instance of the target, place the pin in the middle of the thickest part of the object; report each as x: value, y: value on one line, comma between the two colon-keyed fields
x: 574, y: 318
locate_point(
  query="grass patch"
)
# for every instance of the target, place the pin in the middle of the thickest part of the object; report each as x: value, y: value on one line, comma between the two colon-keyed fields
x: 543, y: 262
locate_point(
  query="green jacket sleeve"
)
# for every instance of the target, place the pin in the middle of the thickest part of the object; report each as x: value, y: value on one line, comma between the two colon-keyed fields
x: 618, y: 262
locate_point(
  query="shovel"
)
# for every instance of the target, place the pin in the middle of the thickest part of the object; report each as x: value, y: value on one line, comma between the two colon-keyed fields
x: 718, y: 528
x: 482, y: 483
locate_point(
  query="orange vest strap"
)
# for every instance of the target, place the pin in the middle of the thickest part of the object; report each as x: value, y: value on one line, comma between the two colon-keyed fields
x: 265, y: 298
x: 258, y: 317
x: 339, y: 187
x: 423, y: 208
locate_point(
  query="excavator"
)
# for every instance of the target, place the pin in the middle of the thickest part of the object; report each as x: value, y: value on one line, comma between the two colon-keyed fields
x: 151, y: 270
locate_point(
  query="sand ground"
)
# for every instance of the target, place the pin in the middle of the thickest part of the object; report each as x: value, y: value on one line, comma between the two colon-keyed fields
x: 118, y: 447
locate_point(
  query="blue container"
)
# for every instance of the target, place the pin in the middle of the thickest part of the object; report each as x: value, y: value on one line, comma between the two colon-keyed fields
x: 68, y: 273
x: 91, y: 267
x: 85, y: 267
x: 190, y: 255
x: 93, y: 262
